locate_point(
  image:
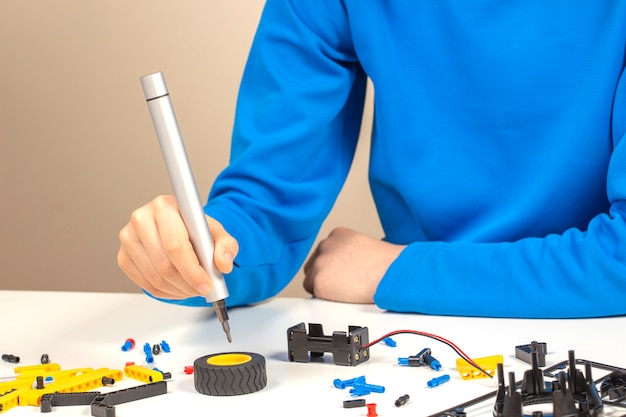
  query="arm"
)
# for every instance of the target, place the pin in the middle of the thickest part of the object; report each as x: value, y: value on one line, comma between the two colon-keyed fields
x: 573, y: 274
x: 297, y: 122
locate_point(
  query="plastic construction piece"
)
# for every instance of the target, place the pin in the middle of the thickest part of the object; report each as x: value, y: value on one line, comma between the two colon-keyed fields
x: 128, y: 345
x: 435, y: 382
x: 572, y: 393
x: 10, y: 399
x: 371, y: 410
x: 424, y: 358
x: 342, y: 384
x: 156, y: 349
x: 104, y: 405
x: 614, y: 386
x: 488, y: 363
x: 166, y: 375
x: 226, y: 374
x: 45, y: 358
x: 354, y: 403
x: 402, y: 400
x: 347, y: 348
x: 188, y: 369
x: 148, y: 351
x: 389, y: 342
x: 84, y: 382
x: 37, y: 368
x: 143, y: 374
x: 10, y: 358
x: 524, y: 352
x: 165, y: 347
x: 66, y: 399
x: 359, y: 388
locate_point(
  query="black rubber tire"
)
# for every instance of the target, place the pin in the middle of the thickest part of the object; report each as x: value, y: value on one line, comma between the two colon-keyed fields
x: 229, y: 379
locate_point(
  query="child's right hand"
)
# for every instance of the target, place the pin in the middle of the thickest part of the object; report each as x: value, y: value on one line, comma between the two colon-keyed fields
x: 156, y: 253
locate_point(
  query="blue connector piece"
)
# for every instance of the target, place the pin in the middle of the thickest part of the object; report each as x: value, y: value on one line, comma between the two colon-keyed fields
x: 421, y: 359
x: 165, y: 347
x: 338, y: 383
x: 438, y: 381
x: 148, y: 351
x: 389, y: 342
x: 359, y: 389
x: 128, y: 345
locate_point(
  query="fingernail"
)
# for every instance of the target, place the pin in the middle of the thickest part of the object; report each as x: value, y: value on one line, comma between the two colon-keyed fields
x: 203, y: 289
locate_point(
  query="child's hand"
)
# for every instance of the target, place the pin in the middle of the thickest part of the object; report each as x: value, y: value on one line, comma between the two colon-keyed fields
x: 347, y: 266
x: 156, y: 253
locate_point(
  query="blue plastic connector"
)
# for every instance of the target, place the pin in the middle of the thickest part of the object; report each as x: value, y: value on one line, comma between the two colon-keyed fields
x: 148, y: 351
x: 348, y: 382
x: 128, y: 345
x: 165, y: 347
x: 438, y: 381
x: 389, y: 342
x: 421, y: 359
x: 359, y: 389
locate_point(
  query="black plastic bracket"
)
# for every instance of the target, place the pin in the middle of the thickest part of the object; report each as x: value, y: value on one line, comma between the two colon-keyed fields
x: 346, y: 348
x: 102, y: 405
x: 525, y: 352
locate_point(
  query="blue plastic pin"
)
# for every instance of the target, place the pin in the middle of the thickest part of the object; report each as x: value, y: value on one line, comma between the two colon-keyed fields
x: 342, y: 384
x: 359, y: 389
x: 389, y: 342
x: 165, y: 347
x: 128, y: 345
x: 438, y: 381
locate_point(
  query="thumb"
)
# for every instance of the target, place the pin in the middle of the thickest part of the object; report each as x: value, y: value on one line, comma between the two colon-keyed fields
x: 226, y: 246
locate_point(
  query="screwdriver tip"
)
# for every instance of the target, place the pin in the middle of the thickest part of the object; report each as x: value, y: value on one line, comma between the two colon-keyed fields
x: 226, y: 328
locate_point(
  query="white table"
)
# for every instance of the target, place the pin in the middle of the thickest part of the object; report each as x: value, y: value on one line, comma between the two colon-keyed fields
x: 79, y: 330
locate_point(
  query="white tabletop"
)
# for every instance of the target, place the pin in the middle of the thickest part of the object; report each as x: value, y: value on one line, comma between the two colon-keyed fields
x: 79, y: 330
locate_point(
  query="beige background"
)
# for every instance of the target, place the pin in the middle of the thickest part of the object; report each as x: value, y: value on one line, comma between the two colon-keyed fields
x: 77, y: 148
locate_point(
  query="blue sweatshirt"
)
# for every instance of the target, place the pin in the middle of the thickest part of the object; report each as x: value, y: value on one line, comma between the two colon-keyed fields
x: 496, y: 153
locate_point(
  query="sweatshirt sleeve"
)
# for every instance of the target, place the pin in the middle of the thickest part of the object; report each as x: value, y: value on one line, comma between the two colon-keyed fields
x: 579, y: 273
x: 296, y: 126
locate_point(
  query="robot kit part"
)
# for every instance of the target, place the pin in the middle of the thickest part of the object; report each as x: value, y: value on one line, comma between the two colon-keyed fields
x: 233, y: 373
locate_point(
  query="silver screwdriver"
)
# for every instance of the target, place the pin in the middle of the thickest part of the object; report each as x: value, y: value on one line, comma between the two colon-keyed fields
x: 185, y: 190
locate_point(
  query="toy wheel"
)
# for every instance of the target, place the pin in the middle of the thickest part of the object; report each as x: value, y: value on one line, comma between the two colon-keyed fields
x: 225, y: 374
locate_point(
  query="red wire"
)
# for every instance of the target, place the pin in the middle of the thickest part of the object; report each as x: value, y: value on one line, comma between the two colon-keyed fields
x: 432, y: 336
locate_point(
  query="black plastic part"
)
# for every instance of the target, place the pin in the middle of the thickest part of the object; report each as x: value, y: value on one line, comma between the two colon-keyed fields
x: 588, y: 399
x: 402, y: 400
x: 572, y: 395
x: 346, y: 348
x: 104, y: 405
x: 108, y: 381
x: 524, y: 352
x: 614, y: 386
x: 10, y: 358
x: 156, y: 349
x: 58, y: 399
x: 45, y: 358
x: 354, y: 403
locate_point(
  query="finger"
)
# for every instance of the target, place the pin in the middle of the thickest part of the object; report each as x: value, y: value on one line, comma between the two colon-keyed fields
x: 226, y: 246
x: 174, y: 238
x: 139, y: 266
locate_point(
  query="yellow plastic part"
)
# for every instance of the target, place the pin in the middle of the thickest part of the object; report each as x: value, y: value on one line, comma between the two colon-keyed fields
x: 488, y: 363
x: 37, y: 368
x: 10, y: 399
x: 15, y: 384
x: 229, y: 359
x: 81, y: 383
x: 56, y: 374
x: 143, y: 374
